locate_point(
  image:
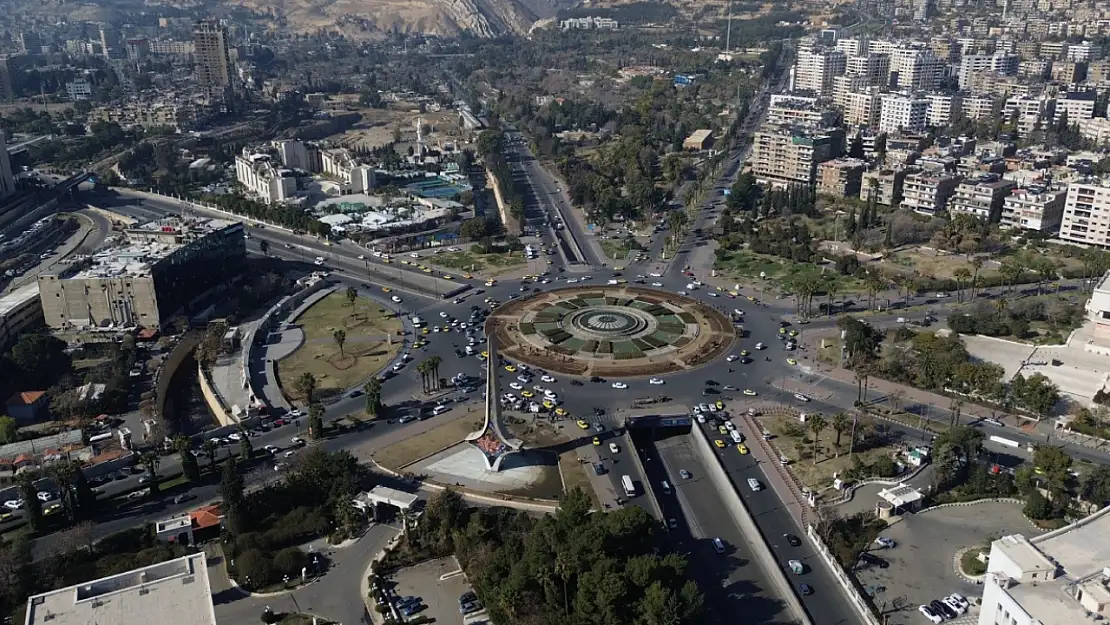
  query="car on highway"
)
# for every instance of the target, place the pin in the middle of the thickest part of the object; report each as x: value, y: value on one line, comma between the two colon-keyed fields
x: 805, y: 589
x: 582, y: 424
x: 619, y: 385
x: 720, y: 444
x: 800, y: 397
x: 749, y: 392
x: 684, y: 474
x: 657, y: 284
x: 597, y: 442
x: 396, y: 300
x: 742, y: 448
x: 656, y: 381
x: 516, y: 386
x: 760, y: 346
x: 732, y: 358
x: 547, y: 378
x: 614, y: 449
x: 510, y: 368
x: 791, y: 361
x: 298, y: 441
x: 792, y: 540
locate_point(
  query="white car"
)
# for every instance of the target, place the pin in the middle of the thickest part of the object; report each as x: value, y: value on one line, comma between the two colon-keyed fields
x: 443, y: 314
x: 800, y: 397
x: 399, y: 366
x: 523, y: 379
x: 657, y: 284
x: 713, y: 294
x: 655, y: 274
x: 656, y: 381
x: 271, y: 449
x: 548, y: 379
x: 760, y: 346
x: 620, y: 385
x: 396, y: 300
x: 683, y: 293
x: 572, y: 281
x: 516, y: 386
x: 928, y: 613
x: 614, y: 449
x: 13, y: 504
x: 552, y: 395
x: 414, y: 255
x: 510, y: 397
x: 732, y: 358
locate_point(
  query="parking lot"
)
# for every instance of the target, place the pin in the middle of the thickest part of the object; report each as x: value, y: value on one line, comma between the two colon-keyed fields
x: 922, y: 562
x: 438, y: 583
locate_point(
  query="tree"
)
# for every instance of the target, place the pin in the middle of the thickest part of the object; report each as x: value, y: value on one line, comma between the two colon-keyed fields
x: 1094, y: 488
x: 264, y: 247
x: 246, y: 449
x: 373, y: 391
x: 1036, y: 393
x: 32, y: 507
x: 211, y: 449
x: 84, y: 498
x: 816, y: 424
x: 150, y: 462
x: 433, y: 366
x: 953, y: 451
x: 9, y: 430
x: 1037, y: 507
x: 840, y: 424
x: 352, y: 296
x: 189, y: 465
x: 316, y: 421
x: 340, y: 338
x: 1054, y: 463
x: 306, y: 386
x: 962, y: 275
x: 232, y: 491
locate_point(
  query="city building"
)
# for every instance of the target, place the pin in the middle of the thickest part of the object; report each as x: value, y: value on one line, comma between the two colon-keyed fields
x: 146, y: 280
x: 977, y: 106
x: 873, y: 68
x: 843, y: 85
x: 294, y: 155
x: 5, y: 80
x: 109, y: 42
x: 20, y: 311
x: 783, y: 155
x: 168, y: 47
x: 30, y: 43
x: 1077, y: 105
x: 1027, y: 112
x: 7, y: 177
x: 168, y: 592
x: 1087, y: 214
x: 1096, y: 129
x: 1068, y: 72
x: 700, y: 139
x: 353, y: 176
x: 927, y: 192
x: 1034, y: 208
x: 943, y: 109
x: 915, y: 69
x: 814, y: 71
x: 79, y: 89
x: 982, y: 196
x: 785, y: 108
x: 137, y: 49
x: 1058, y: 578
x: 589, y: 23
x: 840, y: 177
x: 886, y: 184
x: 261, y: 179
x: 903, y: 112
x: 212, y: 56
x: 862, y: 108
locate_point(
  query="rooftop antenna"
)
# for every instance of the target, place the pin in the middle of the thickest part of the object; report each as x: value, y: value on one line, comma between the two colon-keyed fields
x: 420, y: 138
x: 728, y: 31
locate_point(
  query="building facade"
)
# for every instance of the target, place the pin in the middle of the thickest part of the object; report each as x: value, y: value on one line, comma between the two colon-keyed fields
x: 982, y: 197
x: 1034, y: 208
x: 903, y: 112
x: 841, y: 177
x: 212, y: 55
x: 7, y: 177
x: 1086, y: 217
x: 928, y: 192
x: 786, y: 155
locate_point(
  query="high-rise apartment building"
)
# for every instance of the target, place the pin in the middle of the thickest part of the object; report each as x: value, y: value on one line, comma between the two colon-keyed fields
x: 7, y: 179
x: 916, y: 69
x: 212, y: 55
x: 1077, y: 105
x: 815, y: 70
x: 862, y: 108
x: 1087, y: 214
x: 927, y: 192
x: 786, y: 155
x: 30, y: 43
x: 977, y: 106
x: 5, y: 80
x: 943, y: 108
x: 903, y: 112
x: 875, y: 68
x: 1034, y: 208
x: 982, y: 197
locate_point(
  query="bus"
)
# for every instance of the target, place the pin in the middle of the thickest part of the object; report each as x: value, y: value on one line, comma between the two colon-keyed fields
x: 629, y: 487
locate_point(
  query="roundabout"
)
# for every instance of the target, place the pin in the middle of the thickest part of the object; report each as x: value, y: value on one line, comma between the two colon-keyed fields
x: 610, y: 331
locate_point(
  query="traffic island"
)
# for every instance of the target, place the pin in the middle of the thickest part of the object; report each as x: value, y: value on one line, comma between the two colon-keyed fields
x: 612, y: 331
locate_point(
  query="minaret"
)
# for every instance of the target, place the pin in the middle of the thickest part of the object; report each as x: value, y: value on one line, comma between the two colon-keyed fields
x: 728, y: 30
x: 420, y: 139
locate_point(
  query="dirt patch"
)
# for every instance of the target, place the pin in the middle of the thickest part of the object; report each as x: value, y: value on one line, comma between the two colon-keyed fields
x: 572, y: 470
x: 403, y: 453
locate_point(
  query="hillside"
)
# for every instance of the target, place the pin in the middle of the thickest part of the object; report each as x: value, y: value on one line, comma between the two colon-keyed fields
x: 446, y: 18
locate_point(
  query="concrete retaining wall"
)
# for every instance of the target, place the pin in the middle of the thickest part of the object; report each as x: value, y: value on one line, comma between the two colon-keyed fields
x: 213, y: 399
x: 200, y: 206
x: 743, y: 518
x: 185, y: 346
x: 862, y: 607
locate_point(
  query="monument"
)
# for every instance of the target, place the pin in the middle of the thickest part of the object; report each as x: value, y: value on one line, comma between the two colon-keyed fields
x: 492, y: 440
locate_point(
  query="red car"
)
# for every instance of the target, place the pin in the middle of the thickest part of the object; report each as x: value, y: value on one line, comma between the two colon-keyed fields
x: 279, y: 422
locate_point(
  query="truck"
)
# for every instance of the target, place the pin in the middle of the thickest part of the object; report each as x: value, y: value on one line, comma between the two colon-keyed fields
x: 629, y: 487
x: 417, y: 322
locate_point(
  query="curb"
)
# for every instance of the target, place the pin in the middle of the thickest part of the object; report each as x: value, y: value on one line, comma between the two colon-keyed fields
x: 975, y: 579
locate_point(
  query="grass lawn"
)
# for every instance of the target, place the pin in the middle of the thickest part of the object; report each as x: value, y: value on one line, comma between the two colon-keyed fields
x: 489, y: 264
x: 799, y: 449
x: 750, y: 266
x: 364, y: 354
x: 399, y: 455
x: 617, y: 249
x: 573, y: 472
x: 970, y: 563
x: 930, y: 266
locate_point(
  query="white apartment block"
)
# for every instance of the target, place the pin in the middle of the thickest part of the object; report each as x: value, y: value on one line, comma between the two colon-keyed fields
x: 1096, y: 129
x: 1054, y: 49
x: 785, y: 108
x: 1078, y: 105
x: 915, y: 69
x: 263, y: 180
x: 903, y: 112
x: 862, y: 108
x: 589, y: 23
x: 1058, y: 578
x: 1034, y: 208
x: 1087, y: 214
x: 1084, y: 52
x: 1028, y: 112
x: 843, y: 85
x: 875, y: 68
x: 980, y: 197
x: 816, y: 70
x: 928, y: 192
x: 943, y: 108
x: 879, y: 46
x: 978, y: 106
x: 784, y: 155
x: 355, y: 177
x: 171, y: 48
x: 293, y: 154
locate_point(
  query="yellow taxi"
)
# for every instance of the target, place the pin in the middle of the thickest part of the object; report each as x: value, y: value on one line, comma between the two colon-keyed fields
x: 719, y: 443
x: 722, y: 429
x: 793, y: 333
x: 547, y: 403
x: 744, y: 352
x: 509, y: 368
x: 791, y: 361
x: 5, y: 517
x: 491, y: 282
x: 582, y: 424
x: 53, y: 508
x: 467, y: 276
x: 485, y: 354
x: 387, y: 261
x: 447, y: 277
x: 749, y: 392
x: 387, y: 289
x: 405, y: 262
x: 597, y: 441
x: 561, y: 412
x: 427, y: 270
x: 528, y: 394
x: 720, y: 405
x: 782, y: 330
x: 742, y: 449
x: 734, y: 293
x: 424, y: 330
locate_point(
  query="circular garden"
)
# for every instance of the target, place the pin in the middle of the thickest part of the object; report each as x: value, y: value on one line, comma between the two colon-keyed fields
x: 610, y: 331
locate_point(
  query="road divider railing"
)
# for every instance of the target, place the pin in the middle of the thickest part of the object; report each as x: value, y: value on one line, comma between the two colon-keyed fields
x: 743, y: 518
x: 859, y: 603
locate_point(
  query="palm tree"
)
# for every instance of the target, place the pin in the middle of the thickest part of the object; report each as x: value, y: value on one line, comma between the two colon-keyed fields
x: 433, y: 366
x: 211, y: 448
x: 316, y: 421
x: 150, y: 461
x: 954, y: 411
x: 831, y: 288
x: 264, y: 247
x: 373, y: 390
x: 962, y: 276
x: 999, y: 306
x: 840, y: 424
x: 816, y: 423
x: 976, y: 265
x: 340, y: 337
x: 62, y: 473
x: 306, y: 386
x: 352, y: 295
x: 422, y: 368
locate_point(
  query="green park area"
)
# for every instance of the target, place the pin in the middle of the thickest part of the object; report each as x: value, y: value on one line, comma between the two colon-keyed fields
x: 620, y: 249
x: 345, y: 343
x: 489, y: 264
x: 745, y: 265
x: 400, y: 454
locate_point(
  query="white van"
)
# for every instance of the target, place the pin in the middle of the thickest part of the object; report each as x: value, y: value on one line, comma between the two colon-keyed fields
x: 737, y: 437
x: 666, y: 487
x: 718, y: 546
x: 754, y: 484
x: 440, y: 409
x: 469, y: 350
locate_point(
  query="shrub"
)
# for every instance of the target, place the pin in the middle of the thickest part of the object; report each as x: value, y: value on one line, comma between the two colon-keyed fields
x: 1037, y: 507
x: 290, y: 561
x: 255, y: 566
